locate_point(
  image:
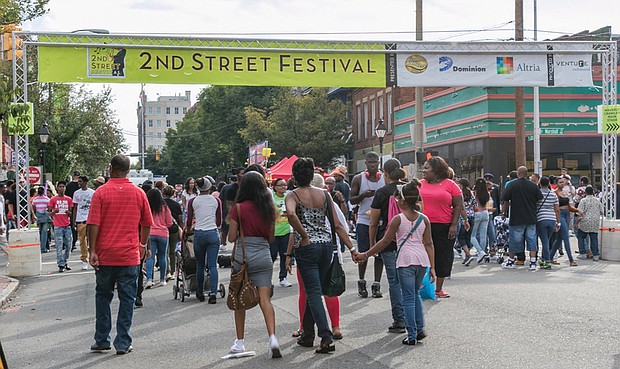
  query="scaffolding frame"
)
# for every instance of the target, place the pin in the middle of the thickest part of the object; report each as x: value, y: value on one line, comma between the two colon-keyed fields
x: 26, y: 41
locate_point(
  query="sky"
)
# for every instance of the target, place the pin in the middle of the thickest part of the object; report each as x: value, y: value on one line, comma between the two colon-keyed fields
x: 363, y: 20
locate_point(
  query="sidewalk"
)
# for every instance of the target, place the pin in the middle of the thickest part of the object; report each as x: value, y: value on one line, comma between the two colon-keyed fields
x: 8, y: 286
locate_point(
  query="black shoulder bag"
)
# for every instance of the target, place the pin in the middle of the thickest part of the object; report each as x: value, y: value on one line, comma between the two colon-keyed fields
x: 335, y: 282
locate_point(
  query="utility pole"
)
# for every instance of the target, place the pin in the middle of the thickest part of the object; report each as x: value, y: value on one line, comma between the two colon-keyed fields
x: 142, y: 125
x: 519, y: 103
x: 536, y: 97
x: 418, y: 129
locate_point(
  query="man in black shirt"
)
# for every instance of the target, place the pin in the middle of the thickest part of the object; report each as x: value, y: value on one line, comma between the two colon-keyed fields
x: 521, y: 195
x: 227, y: 198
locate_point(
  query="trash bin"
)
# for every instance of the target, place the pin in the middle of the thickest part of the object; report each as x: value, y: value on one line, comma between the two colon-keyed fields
x: 24, y: 253
x: 610, y: 239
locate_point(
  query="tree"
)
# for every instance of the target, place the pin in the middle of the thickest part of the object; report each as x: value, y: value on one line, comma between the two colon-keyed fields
x: 207, y: 140
x: 84, y: 132
x: 310, y: 125
x: 19, y: 11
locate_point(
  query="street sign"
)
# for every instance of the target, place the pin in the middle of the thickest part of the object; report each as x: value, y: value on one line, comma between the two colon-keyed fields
x: 611, y: 118
x: 547, y: 131
x: 34, y: 173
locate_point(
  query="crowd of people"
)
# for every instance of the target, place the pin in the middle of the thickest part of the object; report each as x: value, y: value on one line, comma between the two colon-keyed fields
x: 409, y: 228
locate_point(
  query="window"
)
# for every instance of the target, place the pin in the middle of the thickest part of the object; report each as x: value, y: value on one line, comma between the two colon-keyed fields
x: 149, y: 135
x: 159, y: 135
x: 184, y: 110
x: 176, y: 110
x: 381, y: 107
x: 159, y: 110
x: 373, y: 115
x: 366, y: 120
x: 359, y: 122
x: 389, y: 112
x: 158, y: 123
x: 150, y: 110
x: 167, y: 110
x: 167, y: 123
x: 150, y: 123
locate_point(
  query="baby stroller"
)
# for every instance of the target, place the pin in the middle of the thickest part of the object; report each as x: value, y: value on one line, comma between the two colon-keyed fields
x: 500, y: 245
x: 186, y: 266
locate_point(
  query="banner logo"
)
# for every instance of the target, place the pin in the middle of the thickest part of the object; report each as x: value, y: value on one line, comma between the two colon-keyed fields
x: 504, y: 65
x: 445, y: 63
x: 416, y: 64
x: 106, y: 62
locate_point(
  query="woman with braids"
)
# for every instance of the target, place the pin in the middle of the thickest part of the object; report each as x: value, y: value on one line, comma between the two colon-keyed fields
x: 255, y: 213
x: 443, y: 201
x: 306, y: 207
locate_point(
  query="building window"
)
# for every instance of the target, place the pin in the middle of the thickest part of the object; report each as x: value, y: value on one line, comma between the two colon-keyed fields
x: 359, y: 122
x: 158, y: 123
x: 184, y: 110
x: 167, y: 110
x: 159, y: 110
x: 149, y: 135
x: 373, y: 116
x: 150, y: 110
x: 167, y: 123
x: 365, y: 120
x: 389, y: 112
x: 159, y: 135
x: 150, y: 123
x: 176, y: 110
x: 381, y: 107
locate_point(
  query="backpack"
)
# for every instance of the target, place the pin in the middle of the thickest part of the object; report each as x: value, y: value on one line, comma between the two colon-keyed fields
x: 393, y: 210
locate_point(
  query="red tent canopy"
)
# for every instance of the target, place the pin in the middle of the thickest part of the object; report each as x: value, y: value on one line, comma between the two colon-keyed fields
x: 283, y: 169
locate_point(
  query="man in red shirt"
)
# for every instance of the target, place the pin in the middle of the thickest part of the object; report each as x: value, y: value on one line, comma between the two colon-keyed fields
x: 60, y: 206
x: 115, y: 247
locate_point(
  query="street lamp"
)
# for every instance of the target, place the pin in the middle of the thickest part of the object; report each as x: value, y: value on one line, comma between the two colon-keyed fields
x: 380, y: 131
x: 44, y: 137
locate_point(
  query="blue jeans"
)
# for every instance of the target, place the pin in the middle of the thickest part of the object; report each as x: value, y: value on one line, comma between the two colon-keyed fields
x: 545, y: 229
x: 43, y: 231
x: 562, y: 236
x: 396, y: 295
x: 63, y: 236
x: 206, y: 247
x: 479, y: 233
x: 313, y: 262
x: 491, y: 231
x: 518, y: 234
x: 279, y: 247
x: 410, y: 281
x: 126, y: 279
x: 159, y: 246
x: 581, y: 238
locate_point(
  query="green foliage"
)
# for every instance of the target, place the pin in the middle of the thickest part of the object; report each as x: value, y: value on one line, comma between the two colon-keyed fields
x: 310, y: 125
x: 18, y: 11
x: 207, y: 140
x: 84, y: 132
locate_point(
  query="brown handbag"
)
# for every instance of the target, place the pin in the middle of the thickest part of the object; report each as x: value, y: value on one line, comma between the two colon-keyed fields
x: 242, y: 294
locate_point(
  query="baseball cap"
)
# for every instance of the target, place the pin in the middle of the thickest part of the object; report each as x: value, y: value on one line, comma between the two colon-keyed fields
x: 100, y: 179
x: 340, y: 170
x: 76, y: 173
x: 488, y: 176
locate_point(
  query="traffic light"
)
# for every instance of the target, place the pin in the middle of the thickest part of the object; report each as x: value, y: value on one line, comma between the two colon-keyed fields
x: 423, y: 156
x: 7, y: 42
x: 157, y: 155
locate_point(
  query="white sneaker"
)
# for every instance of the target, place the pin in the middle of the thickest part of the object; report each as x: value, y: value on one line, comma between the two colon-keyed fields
x: 84, y: 265
x: 596, y: 257
x: 274, y: 348
x: 237, y: 347
x: 285, y: 283
x: 149, y: 284
x: 163, y: 283
x: 481, y: 257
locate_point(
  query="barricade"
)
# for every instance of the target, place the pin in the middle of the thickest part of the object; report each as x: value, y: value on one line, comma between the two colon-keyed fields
x: 24, y: 253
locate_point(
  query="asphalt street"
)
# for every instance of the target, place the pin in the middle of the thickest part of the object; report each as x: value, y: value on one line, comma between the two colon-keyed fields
x: 567, y: 317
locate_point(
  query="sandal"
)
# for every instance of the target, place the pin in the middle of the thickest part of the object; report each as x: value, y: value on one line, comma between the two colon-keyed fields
x: 325, y: 348
x: 298, y: 333
x: 337, y: 334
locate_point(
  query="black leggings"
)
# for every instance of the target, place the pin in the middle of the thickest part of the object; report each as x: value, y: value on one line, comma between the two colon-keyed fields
x: 444, y: 255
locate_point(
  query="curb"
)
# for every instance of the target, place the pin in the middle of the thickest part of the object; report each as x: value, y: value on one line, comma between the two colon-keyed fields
x: 8, y: 291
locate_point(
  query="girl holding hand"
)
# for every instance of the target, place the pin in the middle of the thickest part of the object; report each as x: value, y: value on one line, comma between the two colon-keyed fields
x: 414, y: 254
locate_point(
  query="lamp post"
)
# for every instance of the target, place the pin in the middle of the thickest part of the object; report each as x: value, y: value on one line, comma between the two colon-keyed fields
x: 380, y: 131
x: 44, y: 137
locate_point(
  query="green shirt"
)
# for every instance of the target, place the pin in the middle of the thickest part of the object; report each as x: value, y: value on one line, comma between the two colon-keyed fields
x: 282, y: 226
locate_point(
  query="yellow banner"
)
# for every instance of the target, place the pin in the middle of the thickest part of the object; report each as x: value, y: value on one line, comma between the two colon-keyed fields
x: 21, y: 123
x: 214, y: 67
x: 611, y: 119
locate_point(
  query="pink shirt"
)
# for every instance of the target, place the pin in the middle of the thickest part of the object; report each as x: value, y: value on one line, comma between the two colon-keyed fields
x: 412, y: 252
x: 62, y: 204
x: 437, y: 199
x: 161, y: 222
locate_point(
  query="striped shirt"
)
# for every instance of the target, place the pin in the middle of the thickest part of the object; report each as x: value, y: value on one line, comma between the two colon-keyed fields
x: 545, y: 206
x: 118, y: 207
